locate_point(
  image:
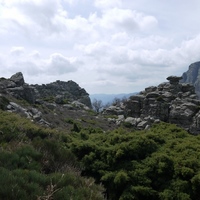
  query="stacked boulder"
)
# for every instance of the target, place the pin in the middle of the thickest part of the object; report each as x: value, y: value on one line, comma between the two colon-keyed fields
x: 172, y: 102
x: 16, y: 87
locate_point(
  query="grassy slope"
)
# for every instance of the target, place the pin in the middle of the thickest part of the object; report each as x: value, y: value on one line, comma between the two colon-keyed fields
x: 38, y: 163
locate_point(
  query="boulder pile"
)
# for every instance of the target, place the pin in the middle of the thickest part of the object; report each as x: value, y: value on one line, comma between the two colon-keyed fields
x: 171, y: 101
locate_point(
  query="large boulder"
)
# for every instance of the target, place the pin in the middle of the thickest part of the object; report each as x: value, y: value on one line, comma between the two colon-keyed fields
x: 18, y: 79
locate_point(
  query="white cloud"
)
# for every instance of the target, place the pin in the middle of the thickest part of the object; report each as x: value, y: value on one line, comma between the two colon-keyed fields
x: 127, y: 20
x: 59, y: 64
x: 17, y: 51
x: 112, y: 46
x: 35, y: 54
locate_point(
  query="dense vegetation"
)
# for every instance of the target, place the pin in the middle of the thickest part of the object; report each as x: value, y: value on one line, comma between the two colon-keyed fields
x: 37, y: 163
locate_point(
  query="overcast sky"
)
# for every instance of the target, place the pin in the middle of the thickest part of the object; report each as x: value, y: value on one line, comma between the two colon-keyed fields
x: 106, y: 46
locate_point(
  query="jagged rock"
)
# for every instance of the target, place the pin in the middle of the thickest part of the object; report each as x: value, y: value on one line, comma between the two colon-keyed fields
x: 152, y: 95
x: 174, y: 80
x: 5, y: 83
x: 142, y: 125
x: 79, y: 105
x: 171, y: 101
x: 62, y: 92
x: 59, y: 92
x: 120, y: 119
x: 150, y: 89
x: 113, y: 110
x: 29, y: 94
x: 16, y: 107
x: 131, y: 120
x: 18, y: 79
x: 192, y: 76
x: 50, y: 106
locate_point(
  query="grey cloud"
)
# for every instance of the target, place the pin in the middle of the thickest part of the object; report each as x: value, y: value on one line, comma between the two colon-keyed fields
x: 58, y: 64
x: 17, y: 51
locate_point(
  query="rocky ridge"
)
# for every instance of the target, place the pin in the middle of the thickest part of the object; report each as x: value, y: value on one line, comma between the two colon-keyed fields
x: 171, y: 102
x: 42, y: 103
x: 192, y: 76
x: 59, y: 102
x: 57, y: 92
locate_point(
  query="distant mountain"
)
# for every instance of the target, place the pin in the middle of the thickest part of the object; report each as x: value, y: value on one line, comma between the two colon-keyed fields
x: 192, y: 76
x: 108, y: 98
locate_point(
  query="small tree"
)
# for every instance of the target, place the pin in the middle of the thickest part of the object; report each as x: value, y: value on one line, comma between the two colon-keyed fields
x: 97, y: 105
x: 116, y: 101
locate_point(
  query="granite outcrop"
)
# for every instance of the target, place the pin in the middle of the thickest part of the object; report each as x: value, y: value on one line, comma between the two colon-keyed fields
x: 192, y: 76
x: 59, y: 92
x: 171, y: 102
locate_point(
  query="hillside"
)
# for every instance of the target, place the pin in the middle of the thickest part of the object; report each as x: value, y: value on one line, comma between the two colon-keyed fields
x: 54, y: 146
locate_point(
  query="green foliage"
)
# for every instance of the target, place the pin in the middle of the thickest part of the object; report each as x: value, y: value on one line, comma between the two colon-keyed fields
x: 69, y: 120
x: 36, y: 163
x: 50, y: 99
x: 3, y: 102
x: 161, y: 163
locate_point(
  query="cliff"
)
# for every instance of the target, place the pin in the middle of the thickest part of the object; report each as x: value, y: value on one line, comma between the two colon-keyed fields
x: 192, y: 76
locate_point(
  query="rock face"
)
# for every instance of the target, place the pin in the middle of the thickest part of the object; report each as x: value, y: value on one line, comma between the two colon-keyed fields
x: 171, y: 102
x: 62, y: 92
x: 16, y: 87
x: 192, y: 76
x: 57, y: 92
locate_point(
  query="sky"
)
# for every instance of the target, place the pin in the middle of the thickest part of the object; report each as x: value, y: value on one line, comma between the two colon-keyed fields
x: 106, y: 46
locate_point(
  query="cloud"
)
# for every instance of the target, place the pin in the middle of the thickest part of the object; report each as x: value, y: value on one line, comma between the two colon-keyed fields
x: 44, y: 17
x: 34, y: 63
x: 17, y: 51
x: 59, y: 64
x: 127, y: 20
x: 35, y: 55
x: 113, y: 45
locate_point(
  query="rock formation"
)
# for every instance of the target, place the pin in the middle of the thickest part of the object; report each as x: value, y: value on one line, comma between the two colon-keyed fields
x: 62, y: 92
x: 57, y: 92
x: 171, y: 102
x: 192, y: 76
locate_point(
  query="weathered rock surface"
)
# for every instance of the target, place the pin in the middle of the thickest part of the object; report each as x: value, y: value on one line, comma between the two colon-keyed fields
x: 172, y: 102
x: 59, y: 92
x: 192, y: 76
x: 62, y: 92
x: 48, y: 98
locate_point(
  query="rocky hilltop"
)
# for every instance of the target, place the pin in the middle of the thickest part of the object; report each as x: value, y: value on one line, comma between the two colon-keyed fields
x: 171, y: 102
x: 57, y: 105
x: 62, y: 104
x: 59, y: 92
x: 192, y: 76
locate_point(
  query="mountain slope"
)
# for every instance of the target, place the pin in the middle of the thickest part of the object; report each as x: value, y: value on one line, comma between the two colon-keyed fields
x: 192, y: 76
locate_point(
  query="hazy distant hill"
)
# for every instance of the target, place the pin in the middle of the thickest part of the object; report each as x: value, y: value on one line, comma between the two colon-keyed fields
x: 108, y: 98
